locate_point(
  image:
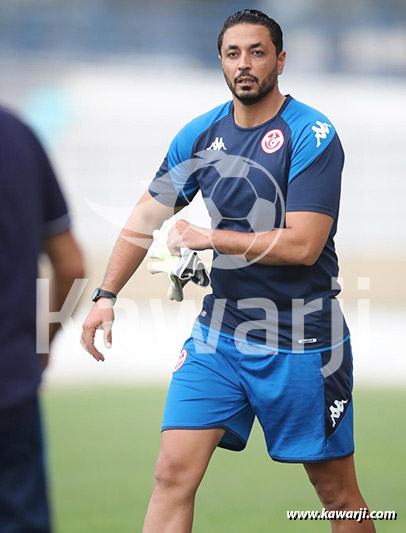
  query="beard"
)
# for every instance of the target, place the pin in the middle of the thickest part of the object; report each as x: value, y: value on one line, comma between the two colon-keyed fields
x: 252, y: 95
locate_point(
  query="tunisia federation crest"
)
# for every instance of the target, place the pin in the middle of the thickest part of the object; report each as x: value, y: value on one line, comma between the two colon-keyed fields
x: 181, y: 360
x: 272, y: 141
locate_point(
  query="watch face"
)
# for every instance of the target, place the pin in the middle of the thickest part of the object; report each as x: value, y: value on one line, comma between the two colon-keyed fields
x: 95, y: 295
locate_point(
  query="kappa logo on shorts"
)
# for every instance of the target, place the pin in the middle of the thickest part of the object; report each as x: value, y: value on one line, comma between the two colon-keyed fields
x: 336, y: 410
x: 181, y: 360
x: 272, y: 141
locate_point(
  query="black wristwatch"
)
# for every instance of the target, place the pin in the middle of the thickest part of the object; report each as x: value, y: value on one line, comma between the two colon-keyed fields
x: 101, y: 293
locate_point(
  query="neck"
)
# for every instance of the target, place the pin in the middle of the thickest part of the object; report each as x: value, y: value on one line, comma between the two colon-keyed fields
x: 249, y: 116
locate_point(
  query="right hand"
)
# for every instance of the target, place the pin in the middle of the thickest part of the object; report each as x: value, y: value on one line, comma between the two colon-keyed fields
x: 100, y: 317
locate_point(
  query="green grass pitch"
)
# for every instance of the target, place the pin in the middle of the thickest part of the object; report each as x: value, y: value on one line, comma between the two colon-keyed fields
x: 102, y: 446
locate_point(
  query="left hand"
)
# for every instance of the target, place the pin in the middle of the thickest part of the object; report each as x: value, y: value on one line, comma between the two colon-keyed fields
x: 186, y: 235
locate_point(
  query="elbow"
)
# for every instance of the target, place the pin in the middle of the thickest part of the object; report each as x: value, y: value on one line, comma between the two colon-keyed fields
x: 66, y: 257
x: 79, y: 272
x: 71, y: 269
x: 309, y: 256
x: 69, y: 275
x: 80, y: 266
x: 77, y: 269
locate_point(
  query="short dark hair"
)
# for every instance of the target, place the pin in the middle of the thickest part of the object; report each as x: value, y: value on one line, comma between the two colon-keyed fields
x: 253, y: 16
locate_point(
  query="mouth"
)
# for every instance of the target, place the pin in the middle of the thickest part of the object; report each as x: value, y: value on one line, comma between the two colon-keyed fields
x: 245, y: 80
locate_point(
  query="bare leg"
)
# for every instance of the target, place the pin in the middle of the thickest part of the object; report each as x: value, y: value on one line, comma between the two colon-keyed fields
x: 336, y: 486
x: 182, y: 462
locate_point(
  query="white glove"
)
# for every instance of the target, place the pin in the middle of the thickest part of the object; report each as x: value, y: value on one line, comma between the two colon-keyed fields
x: 181, y: 270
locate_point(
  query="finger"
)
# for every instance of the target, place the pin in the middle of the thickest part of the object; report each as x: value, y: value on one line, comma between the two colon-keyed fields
x: 152, y: 254
x: 153, y: 267
x: 174, y: 245
x: 95, y: 353
x: 88, y: 338
x: 158, y: 267
x: 107, y: 334
x: 182, y: 226
x: 82, y: 342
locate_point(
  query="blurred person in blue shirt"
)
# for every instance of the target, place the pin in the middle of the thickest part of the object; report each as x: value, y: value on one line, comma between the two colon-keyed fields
x: 33, y: 219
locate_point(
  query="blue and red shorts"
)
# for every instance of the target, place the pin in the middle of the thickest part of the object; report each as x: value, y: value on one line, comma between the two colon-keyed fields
x: 305, y: 412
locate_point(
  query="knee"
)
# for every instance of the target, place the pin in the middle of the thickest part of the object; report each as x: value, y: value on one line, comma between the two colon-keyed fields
x: 172, y: 474
x: 332, y: 494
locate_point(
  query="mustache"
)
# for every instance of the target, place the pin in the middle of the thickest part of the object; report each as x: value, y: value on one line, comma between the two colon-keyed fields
x: 245, y: 74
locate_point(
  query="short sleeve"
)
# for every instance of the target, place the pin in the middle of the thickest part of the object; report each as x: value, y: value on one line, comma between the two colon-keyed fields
x: 175, y: 183
x: 54, y: 212
x: 317, y: 187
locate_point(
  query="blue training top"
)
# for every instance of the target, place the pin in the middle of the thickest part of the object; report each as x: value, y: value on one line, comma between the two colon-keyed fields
x: 249, y: 178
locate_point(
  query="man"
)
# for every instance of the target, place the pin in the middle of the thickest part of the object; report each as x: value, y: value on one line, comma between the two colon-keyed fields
x: 33, y: 218
x: 266, y: 343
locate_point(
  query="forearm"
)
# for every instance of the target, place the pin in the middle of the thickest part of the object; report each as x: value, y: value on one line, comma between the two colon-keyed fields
x: 67, y: 265
x: 300, y: 243
x: 134, y: 241
x: 287, y: 246
x: 60, y: 285
x: 125, y: 259
x: 277, y: 247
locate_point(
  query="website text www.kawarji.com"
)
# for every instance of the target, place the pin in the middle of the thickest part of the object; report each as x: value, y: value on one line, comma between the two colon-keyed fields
x: 358, y: 516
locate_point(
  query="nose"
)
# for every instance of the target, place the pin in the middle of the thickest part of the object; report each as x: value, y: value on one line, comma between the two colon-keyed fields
x: 245, y: 62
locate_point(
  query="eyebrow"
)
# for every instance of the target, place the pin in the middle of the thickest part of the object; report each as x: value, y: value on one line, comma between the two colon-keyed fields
x: 234, y: 46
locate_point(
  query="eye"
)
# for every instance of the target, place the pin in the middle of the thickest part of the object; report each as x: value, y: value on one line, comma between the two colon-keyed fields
x: 258, y: 53
x: 232, y: 54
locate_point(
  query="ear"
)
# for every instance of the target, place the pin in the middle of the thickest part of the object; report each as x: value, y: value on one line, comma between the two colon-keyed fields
x: 281, y: 61
x: 219, y: 56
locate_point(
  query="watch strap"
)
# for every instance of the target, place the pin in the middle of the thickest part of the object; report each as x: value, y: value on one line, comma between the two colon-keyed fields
x: 102, y: 293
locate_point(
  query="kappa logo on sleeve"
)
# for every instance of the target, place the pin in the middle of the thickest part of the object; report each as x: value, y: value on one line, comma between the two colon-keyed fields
x: 321, y: 130
x: 181, y: 360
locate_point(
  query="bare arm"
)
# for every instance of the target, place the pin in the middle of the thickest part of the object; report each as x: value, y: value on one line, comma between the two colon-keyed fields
x: 67, y: 265
x: 128, y: 253
x: 134, y: 240
x: 300, y: 243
